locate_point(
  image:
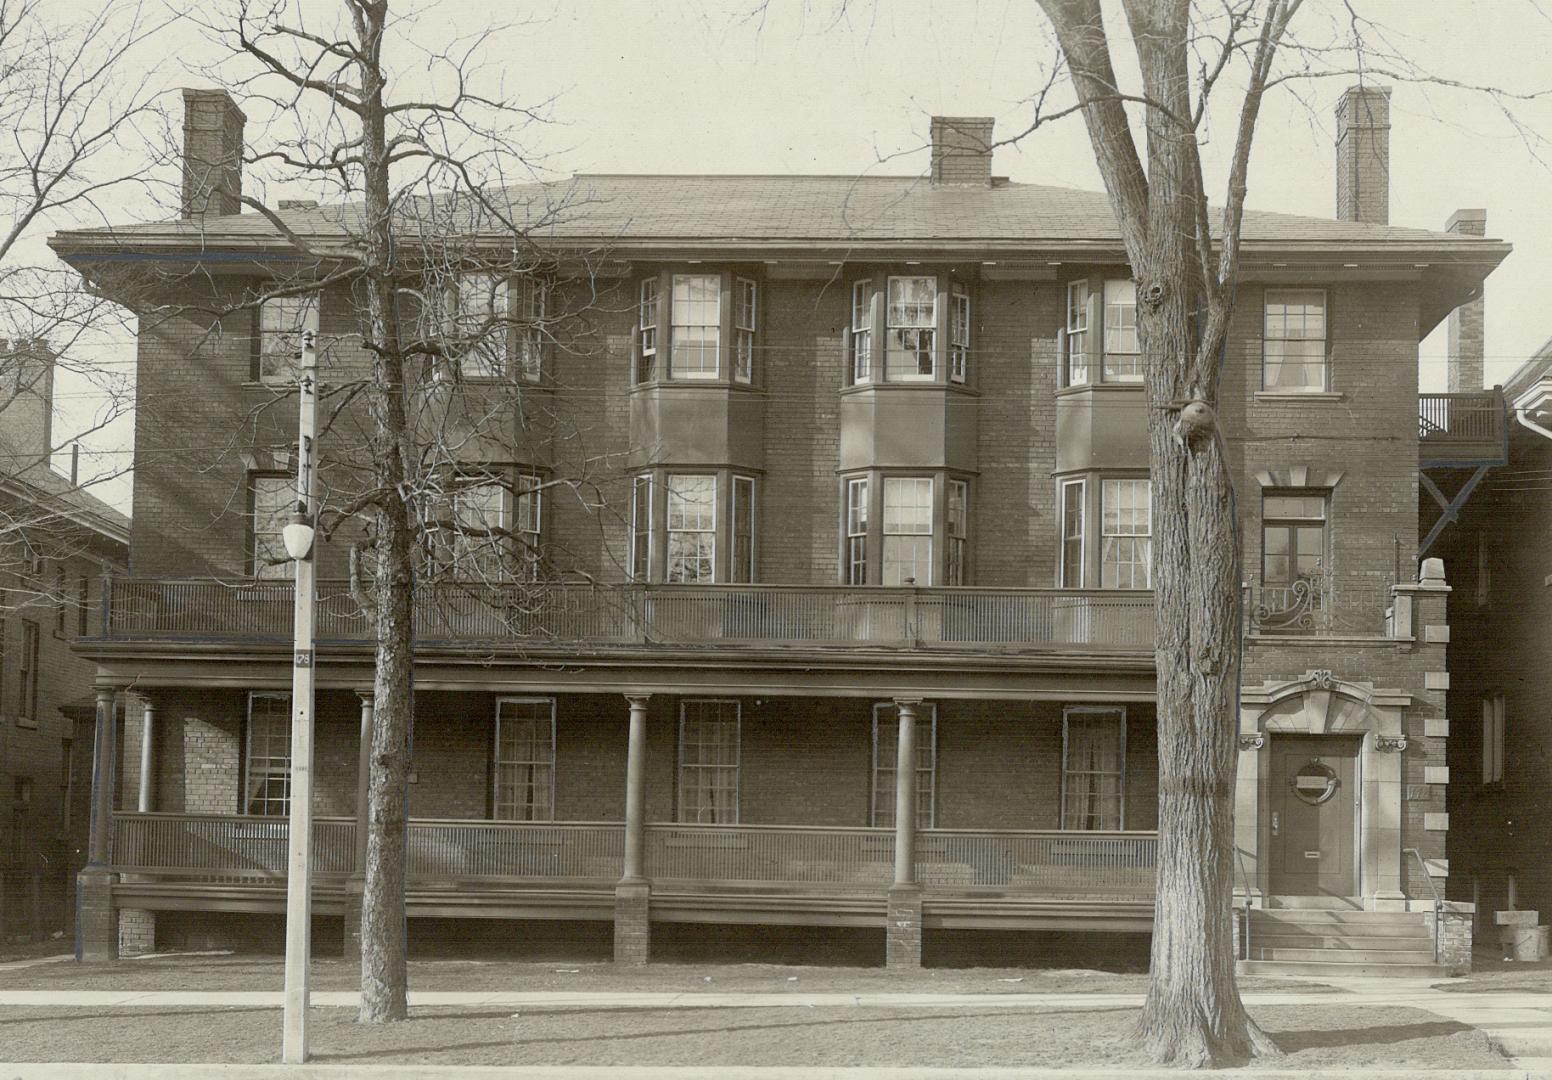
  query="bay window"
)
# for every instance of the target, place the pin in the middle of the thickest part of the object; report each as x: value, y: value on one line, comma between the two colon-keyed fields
x: 925, y: 324
x: 1100, y: 334
x: 468, y: 538
x: 713, y: 327
x: 692, y: 528
x: 494, y: 325
x: 1119, y: 554
x: 905, y: 530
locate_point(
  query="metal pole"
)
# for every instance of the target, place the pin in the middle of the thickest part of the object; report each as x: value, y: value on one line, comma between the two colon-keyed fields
x: 299, y: 863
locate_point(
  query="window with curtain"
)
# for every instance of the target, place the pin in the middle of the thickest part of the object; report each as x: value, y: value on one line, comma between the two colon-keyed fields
x: 474, y: 545
x: 886, y: 759
x: 862, y: 332
x: 1123, y: 363
x: 695, y: 326
x: 1093, y: 768
x: 1293, y: 537
x: 1294, y: 343
x: 271, y: 498
x: 745, y: 312
x: 267, y: 779
x: 525, y: 759
x: 907, y: 530
x: 1126, y: 531
x: 708, y: 761
x: 282, y: 320
x: 692, y: 528
x: 910, y: 321
x: 959, y: 335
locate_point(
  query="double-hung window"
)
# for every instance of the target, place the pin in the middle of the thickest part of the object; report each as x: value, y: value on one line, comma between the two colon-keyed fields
x: 646, y: 330
x: 528, y: 520
x: 857, y: 531
x: 1293, y: 537
x: 271, y: 499
x: 696, y: 327
x: 83, y: 605
x: 1126, y: 548
x: 1493, y: 739
x: 907, y: 530
x: 267, y: 779
x: 692, y: 528
x: 1093, y: 768
x: 641, y: 527
x: 708, y: 761
x: 524, y: 780
x: 1070, y: 571
x: 1123, y: 361
x: 886, y: 761
x: 910, y: 323
x: 27, y: 676
x: 958, y: 334
x: 471, y: 543
x: 282, y: 322
x: 1294, y: 345
x: 956, y: 532
x: 745, y: 314
x: 480, y: 326
x: 861, y: 345
x: 1075, y: 350
x: 742, y: 529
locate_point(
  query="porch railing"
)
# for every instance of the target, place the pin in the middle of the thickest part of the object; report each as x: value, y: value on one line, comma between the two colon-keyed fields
x: 819, y: 859
x: 1461, y: 427
x: 671, y: 615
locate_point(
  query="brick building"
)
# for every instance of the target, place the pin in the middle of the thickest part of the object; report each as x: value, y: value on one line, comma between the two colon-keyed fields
x: 855, y: 627
x: 57, y: 545
x: 1500, y: 690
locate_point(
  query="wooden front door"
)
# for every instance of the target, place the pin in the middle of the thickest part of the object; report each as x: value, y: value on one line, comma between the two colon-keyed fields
x: 1314, y: 806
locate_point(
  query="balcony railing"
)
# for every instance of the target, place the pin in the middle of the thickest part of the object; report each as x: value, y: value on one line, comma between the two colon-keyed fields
x: 755, y: 615
x: 1461, y: 428
x: 816, y: 859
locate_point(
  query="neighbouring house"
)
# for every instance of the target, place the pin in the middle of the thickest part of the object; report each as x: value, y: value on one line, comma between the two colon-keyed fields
x: 58, y: 544
x: 856, y: 629
x: 1501, y: 665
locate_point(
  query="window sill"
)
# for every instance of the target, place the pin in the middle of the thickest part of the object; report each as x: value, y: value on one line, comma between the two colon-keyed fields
x: 958, y: 388
x: 1102, y: 387
x: 1300, y: 395
x: 697, y: 384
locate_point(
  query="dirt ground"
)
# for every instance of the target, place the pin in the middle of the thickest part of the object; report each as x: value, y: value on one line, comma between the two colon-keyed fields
x: 185, y: 972
x: 1310, y: 1036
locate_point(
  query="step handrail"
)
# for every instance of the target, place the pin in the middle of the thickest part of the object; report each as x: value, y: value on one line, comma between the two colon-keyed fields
x: 1438, y: 901
x: 1239, y: 857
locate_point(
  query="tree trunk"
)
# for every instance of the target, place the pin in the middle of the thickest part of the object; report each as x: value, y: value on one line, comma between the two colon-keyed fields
x: 384, y: 944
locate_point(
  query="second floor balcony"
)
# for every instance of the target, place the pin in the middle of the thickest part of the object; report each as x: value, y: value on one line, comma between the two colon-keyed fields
x: 521, y: 617
x: 1457, y: 430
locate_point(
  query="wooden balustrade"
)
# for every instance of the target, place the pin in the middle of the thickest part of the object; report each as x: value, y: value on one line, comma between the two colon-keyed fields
x: 816, y: 859
x: 754, y: 615
x: 1460, y: 428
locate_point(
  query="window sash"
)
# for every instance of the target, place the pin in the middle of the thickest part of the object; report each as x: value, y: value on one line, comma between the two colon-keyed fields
x: 532, y: 334
x: 959, y: 336
x: 1075, y: 361
x: 267, y: 777
x: 1093, y: 769
x: 911, y: 329
x: 886, y: 759
x: 708, y: 761
x: 480, y: 323
x: 272, y: 496
x: 742, y: 528
x: 695, y: 327
x: 907, y: 530
x: 282, y: 322
x: 1294, y: 340
x: 523, y: 770
x: 476, y: 504
x: 1122, y: 362
x: 83, y: 605
x: 646, y: 330
x: 956, y: 531
x: 744, y: 315
x: 1293, y: 537
x: 692, y: 528
x: 641, y: 528
x: 862, y: 331
x: 857, y: 531
x: 27, y: 675
x: 1072, y: 552
x: 1126, y: 530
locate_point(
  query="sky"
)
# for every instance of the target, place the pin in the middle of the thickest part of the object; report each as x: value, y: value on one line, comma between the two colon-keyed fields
x: 816, y: 86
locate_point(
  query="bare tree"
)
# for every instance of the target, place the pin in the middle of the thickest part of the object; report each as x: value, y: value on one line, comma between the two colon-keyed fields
x: 445, y: 311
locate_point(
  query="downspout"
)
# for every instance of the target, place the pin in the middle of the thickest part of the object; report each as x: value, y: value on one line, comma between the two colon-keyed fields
x: 1525, y: 421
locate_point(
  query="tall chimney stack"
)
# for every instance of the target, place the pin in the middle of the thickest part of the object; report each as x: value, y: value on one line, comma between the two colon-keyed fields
x: 27, y: 417
x: 962, y: 150
x: 1467, y: 347
x: 212, y: 153
x: 1363, y: 155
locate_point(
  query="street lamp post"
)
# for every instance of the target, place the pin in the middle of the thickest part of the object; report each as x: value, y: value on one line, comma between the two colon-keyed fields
x: 299, y: 535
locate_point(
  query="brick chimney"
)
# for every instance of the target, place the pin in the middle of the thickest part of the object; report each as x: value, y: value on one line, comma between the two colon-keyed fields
x: 27, y: 413
x: 1363, y: 155
x: 212, y: 153
x: 1466, y: 347
x: 962, y: 150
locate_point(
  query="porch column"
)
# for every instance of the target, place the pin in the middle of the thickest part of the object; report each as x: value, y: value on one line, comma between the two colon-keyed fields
x: 903, y: 939
x: 96, y: 929
x: 145, y: 796
x: 632, y: 896
x: 351, y: 923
